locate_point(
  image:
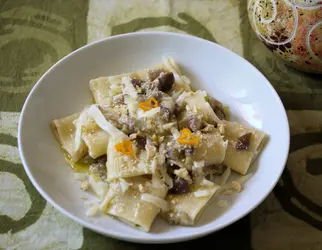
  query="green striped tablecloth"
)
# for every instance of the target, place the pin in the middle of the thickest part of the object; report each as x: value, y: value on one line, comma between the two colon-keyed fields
x: 34, y: 34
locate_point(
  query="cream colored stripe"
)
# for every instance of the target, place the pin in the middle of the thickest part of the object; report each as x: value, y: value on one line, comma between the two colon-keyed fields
x: 9, y: 123
x: 221, y: 18
x: 305, y: 121
x: 9, y: 153
x: 14, y: 199
x: 51, y: 231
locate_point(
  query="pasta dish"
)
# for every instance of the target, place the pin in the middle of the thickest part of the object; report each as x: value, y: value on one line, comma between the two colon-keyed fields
x: 152, y: 146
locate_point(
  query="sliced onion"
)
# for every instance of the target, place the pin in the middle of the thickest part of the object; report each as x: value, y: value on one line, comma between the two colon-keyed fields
x: 160, y: 203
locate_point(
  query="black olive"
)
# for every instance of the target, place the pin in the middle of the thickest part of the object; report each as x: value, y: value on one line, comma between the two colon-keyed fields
x: 101, y: 159
x: 136, y: 82
x: 243, y: 142
x: 166, y: 81
x: 180, y: 186
x: 176, y: 111
x: 154, y: 74
x: 140, y: 142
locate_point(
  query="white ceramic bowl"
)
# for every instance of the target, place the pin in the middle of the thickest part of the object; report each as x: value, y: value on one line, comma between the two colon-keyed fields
x: 226, y: 76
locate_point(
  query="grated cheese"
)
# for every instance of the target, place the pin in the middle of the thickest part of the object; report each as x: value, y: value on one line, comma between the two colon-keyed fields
x: 84, y: 185
x: 184, y: 174
x: 236, y: 186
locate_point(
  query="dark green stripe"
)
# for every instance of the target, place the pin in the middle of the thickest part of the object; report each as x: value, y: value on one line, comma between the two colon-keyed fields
x: 286, y: 192
x: 12, y: 102
x: 16, y: 56
x: 8, y: 140
x: 313, y: 166
x: 304, y: 140
x: 218, y: 240
x: 190, y: 25
x: 245, y: 30
x: 37, y: 202
x: 302, y: 101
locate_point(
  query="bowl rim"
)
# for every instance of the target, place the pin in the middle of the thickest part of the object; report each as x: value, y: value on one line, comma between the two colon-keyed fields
x: 157, y: 239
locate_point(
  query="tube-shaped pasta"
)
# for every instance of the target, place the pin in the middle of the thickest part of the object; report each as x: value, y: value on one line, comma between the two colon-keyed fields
x: 97, y: 142
x: 64, y: 130
x: 211, y: 149
x: 240, y: 160
x: 185, y: 209
x: 125, y: 201
x: 120, y: 165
